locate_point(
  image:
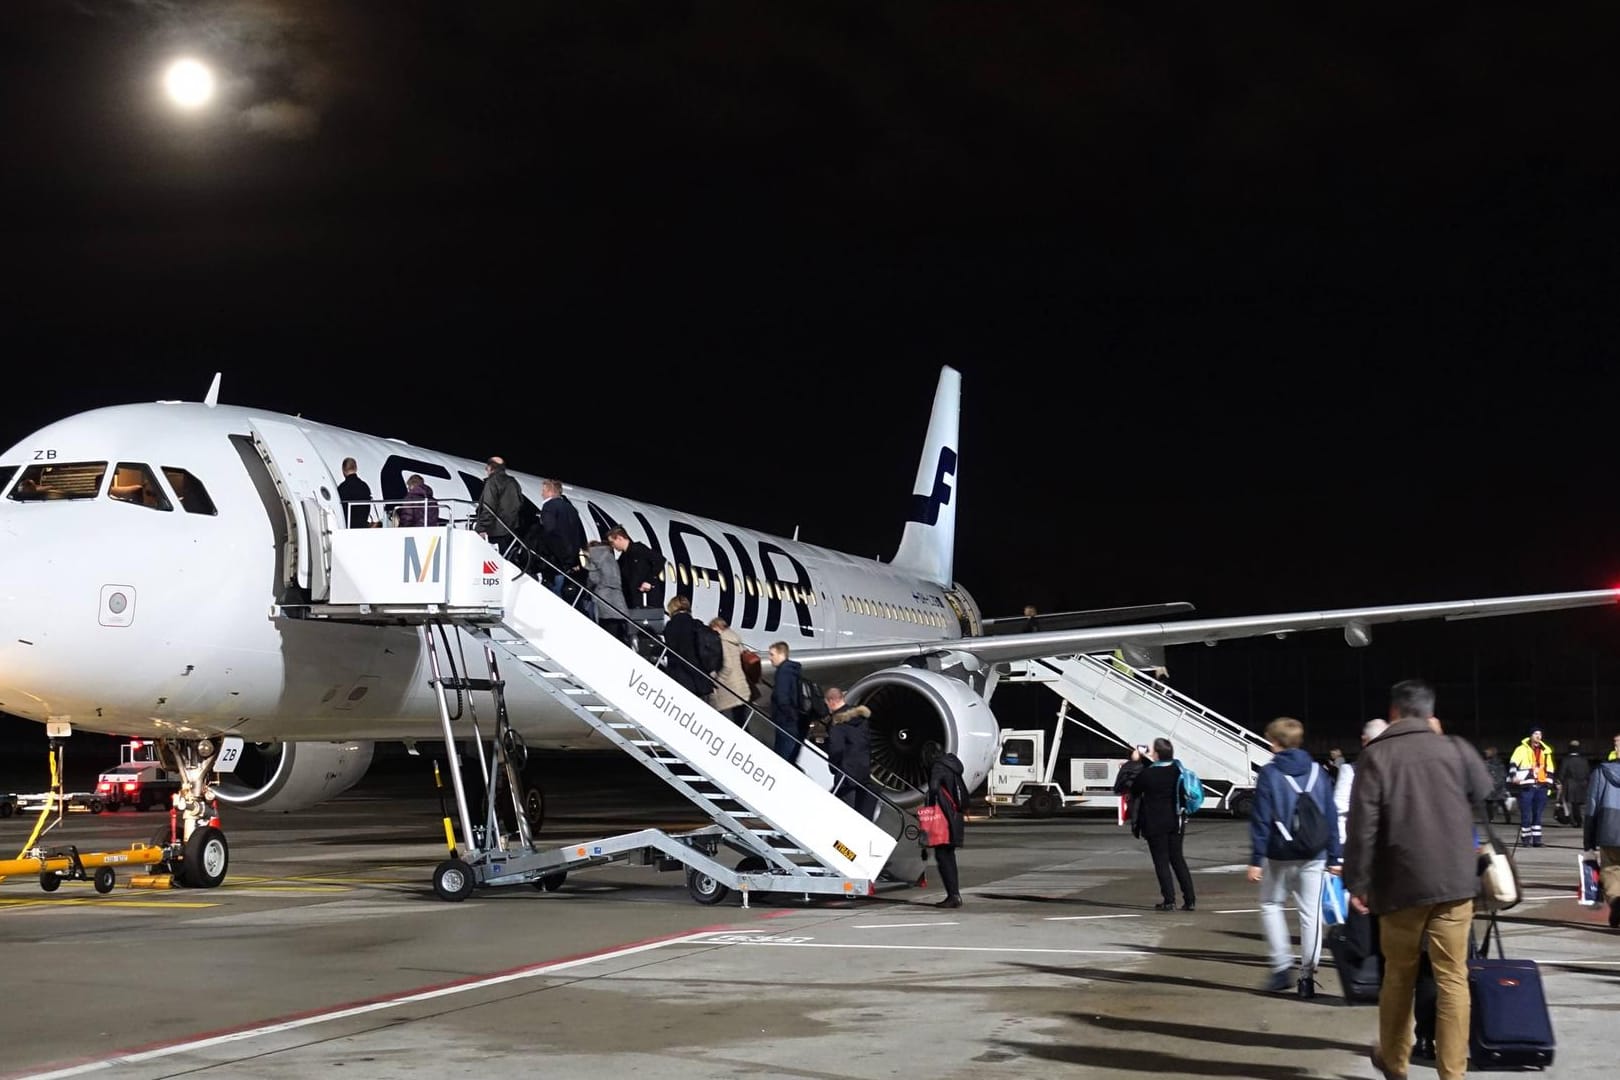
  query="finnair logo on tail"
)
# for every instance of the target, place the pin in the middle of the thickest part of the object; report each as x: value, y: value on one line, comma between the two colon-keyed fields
x: 417, y: 568
x: 925, y: 508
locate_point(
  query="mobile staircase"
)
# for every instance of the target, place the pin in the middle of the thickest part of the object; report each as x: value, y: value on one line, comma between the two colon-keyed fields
x: 790, y: 835
x: 1134, y: 708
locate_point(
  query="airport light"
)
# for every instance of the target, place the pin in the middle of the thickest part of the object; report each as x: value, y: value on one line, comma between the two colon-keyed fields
x: 189, y: 84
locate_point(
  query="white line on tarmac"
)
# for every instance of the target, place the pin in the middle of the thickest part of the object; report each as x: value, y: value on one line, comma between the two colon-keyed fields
x: 1077, y: 918
x: 359, y: 1010
x: 940, y: 948
x: 898, y: 925
x: 1248, y: 911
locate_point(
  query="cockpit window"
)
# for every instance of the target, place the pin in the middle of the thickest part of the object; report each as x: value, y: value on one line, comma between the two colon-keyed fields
x: 190, y: 491
x: 6, y: 473
x: 138, y: 484
x: 75, y: 480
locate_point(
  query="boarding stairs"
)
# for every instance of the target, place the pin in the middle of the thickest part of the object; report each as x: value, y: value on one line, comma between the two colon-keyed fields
x: 793, y: 835
x: 1133, y: 708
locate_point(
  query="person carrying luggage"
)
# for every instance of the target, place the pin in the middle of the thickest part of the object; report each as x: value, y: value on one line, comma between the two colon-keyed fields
x: 1410, y: 859
x: 1294, y: 840
x: 1161, y: 820
x: 948, y: 791
x: 1601, y: 831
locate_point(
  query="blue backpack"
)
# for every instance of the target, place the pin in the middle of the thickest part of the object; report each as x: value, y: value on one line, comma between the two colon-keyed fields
x: 1192, y: 790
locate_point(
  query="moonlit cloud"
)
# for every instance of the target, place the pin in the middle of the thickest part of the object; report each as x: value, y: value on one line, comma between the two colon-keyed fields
x: 269, y: 56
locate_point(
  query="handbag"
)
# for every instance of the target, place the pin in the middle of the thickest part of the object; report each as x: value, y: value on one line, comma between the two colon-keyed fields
x: 935, y: 826
x: 1498, y: 876
x: 1335, y: 901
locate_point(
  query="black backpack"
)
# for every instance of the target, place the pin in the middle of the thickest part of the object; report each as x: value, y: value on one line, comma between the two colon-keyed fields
x: 711, y: 653
x: 811, y: 704
x: 1307, y: 833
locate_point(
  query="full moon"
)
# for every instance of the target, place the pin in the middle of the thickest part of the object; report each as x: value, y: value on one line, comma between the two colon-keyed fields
x: 190, y: 84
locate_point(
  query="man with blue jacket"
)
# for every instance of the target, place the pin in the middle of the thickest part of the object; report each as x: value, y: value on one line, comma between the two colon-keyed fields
x: 1291, y: 844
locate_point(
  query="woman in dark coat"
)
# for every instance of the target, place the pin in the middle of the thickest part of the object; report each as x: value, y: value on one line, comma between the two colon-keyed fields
x: 947, y: 791
x: 680, y: 635
x: 1156, y: 794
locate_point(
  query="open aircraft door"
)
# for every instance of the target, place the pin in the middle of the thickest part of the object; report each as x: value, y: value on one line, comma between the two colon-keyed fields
x: 309, y: 494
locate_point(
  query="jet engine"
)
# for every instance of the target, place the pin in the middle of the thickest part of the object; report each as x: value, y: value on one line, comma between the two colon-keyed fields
x: 293, y: 776
x: 915, y: 709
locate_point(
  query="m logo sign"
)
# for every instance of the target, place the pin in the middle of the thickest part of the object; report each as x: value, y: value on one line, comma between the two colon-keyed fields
x: 419, y: 567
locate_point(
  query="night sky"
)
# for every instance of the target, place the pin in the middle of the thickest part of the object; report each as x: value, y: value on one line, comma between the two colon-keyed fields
x: 1255, y: 309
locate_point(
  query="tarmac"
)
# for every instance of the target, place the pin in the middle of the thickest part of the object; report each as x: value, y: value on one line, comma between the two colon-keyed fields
x: 326, y: 952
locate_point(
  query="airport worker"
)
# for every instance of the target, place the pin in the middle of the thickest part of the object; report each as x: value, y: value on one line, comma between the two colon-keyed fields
x: 499, y: 504
x: 788, y: 722
x: 1573, y: 780
x: 733, y: 695
x: 1293, y: 841
x: 1410, y: 860
x: 1614, y: 755
x: 1601, y: 832
x: 355, y: 495
x: 947, y: 791
x: 849, y: 749
x: 1531, y: 772
x: 1159, y: 820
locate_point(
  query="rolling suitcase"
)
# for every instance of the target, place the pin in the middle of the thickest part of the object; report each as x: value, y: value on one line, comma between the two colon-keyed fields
x: 1354, y: 947
x: 1511, y: 1027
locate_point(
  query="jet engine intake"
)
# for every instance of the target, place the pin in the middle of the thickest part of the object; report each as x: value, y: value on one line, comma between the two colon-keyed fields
x: 279, y: 777
x: 916, y: 712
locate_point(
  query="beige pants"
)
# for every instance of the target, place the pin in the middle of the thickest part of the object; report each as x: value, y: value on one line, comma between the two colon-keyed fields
x: 1609, y: 860
x: 1401, y: 933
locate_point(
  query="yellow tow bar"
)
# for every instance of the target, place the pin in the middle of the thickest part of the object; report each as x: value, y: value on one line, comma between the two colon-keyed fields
x: 52, y: 867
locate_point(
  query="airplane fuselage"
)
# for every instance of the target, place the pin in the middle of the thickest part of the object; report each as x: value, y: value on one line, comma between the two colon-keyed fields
x: 123, y: 618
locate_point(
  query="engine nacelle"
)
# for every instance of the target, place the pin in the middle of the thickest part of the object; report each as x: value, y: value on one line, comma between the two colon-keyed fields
x: 913, y: 709
x: 293, y: 776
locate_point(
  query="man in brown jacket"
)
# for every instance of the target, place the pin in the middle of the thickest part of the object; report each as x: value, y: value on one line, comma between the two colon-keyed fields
x: 1410, y: 859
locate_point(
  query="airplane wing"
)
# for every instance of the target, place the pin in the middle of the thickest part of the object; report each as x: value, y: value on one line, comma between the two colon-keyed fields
x: 1353, y: 621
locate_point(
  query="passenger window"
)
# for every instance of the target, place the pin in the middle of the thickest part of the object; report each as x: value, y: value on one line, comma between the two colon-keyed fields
x: 1018, y: 752
x: 6, y: 473
x: 79, y: 480
x: 682, y: 569
x: 138, y: 484
x: 190, y: 491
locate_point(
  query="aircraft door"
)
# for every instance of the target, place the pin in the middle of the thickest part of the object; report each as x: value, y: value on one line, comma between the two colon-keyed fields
x: 966, y: 612
x: 309, y: 495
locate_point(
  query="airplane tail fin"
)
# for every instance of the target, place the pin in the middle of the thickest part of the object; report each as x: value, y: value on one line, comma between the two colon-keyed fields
x: 928, y: 546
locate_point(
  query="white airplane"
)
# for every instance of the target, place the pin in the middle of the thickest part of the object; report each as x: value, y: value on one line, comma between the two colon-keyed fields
x: 147, y: 552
